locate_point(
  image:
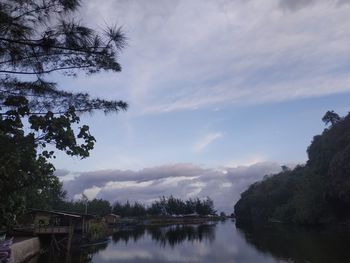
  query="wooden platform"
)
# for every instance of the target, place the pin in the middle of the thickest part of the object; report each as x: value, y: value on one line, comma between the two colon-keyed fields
x: 53, y: 230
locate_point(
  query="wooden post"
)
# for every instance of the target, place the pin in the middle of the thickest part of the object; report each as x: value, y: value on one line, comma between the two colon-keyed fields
x: 70, y: 235
x: 83, y: 227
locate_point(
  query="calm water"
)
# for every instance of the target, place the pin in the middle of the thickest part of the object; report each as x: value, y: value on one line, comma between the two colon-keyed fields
x: 221, y: 242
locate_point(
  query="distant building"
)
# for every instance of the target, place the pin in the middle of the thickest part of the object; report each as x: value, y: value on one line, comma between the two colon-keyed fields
x: 111, y: 219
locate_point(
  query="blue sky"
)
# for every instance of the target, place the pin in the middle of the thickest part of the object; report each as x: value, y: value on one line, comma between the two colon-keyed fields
x: 225, y: 88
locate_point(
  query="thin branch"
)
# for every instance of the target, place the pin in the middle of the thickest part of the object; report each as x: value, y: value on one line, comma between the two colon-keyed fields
x: 37, y: 95
x: 32, y: 43
x: 40, y: 55
x: 63, y: 112
x: 34, y: 10
x: 44, y: 71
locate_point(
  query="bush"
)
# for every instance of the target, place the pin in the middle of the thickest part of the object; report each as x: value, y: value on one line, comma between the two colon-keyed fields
x: 97, y: 231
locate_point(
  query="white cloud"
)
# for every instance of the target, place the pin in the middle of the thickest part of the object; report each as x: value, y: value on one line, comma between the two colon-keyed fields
x: 92, y: 192
x: 247, y: 161
x: 206, y: 140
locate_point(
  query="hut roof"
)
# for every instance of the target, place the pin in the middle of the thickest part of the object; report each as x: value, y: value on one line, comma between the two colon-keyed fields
x: 61, y: 213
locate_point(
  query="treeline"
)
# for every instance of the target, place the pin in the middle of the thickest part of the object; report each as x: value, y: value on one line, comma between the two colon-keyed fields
x: 166, y: 206
x: 163, y: 206
x: 99, y: 207
x: 315, y: 193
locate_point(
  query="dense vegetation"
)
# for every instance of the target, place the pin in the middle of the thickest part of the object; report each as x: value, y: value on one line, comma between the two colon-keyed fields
x: 38, y: 37
x: 315, y: 193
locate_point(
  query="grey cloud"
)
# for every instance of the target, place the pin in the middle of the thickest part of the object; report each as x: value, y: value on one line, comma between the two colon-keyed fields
x: 294, y: 5
x: 180, y: 180
x: 100, y: 178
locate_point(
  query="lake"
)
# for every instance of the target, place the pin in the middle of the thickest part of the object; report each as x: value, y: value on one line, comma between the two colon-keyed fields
x: 217, y: 242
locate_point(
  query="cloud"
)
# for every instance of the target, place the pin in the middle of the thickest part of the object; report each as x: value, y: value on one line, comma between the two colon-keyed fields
x: 247, y: 161
x: 294, y: 5
x: 186, y: 55
x: 224, y: 185
x: 206, y: 140
x: 100, y: 178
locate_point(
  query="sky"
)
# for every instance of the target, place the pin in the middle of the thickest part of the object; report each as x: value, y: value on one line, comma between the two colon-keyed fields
x: 221, y: 93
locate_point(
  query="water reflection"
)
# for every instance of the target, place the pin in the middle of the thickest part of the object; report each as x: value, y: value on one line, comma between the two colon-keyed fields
x: 170, y: 235
x: 130, y: 234
x: 175, y: 235
x: 222, y: 242
x: 298, y: 244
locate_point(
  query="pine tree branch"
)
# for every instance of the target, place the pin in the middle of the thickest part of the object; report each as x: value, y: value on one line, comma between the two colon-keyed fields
x: 44, y: 71
x: 40, y: 55
x: 37, y: 43
x: 34, y: 10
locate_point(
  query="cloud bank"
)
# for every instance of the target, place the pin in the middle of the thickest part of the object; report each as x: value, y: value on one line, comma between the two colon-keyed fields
x: 181, y: 180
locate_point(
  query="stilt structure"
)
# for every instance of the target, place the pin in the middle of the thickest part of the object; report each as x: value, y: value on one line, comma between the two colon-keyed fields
x: 59, y: 227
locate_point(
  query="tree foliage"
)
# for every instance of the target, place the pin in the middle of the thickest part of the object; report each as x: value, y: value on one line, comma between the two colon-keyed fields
x: 39, y: 37
x: 99, y: 207
x: 318, y: 192
x: 331, y: 117
x: 166, y: 206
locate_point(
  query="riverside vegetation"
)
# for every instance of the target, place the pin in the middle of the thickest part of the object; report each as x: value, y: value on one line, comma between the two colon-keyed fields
x: 315, y: 193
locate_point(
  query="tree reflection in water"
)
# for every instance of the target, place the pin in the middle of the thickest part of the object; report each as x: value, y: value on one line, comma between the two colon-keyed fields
x: 169, y: 235
x: 177, y: 234
x: 299, y: 244
x: 124, y: 235
x: 222, y: 242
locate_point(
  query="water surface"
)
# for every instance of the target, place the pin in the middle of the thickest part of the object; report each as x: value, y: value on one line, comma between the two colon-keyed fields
x: 219, y: 242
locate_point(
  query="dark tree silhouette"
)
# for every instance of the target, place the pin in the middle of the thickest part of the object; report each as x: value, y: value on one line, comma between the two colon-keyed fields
x: 331, y: 117
x: 316, y: 193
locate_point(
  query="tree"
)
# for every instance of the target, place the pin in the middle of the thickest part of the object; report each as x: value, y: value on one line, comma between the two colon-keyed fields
x: 38, y: 37
x: 285, y: 168
x: 316, y: 193
x: 99, y: 207
x: 48, y: 195
x: 331, y: 117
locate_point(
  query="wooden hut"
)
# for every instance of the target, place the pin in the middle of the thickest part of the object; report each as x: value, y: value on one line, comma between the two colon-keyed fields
x: 59, y: 223
x: 61, y: 220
